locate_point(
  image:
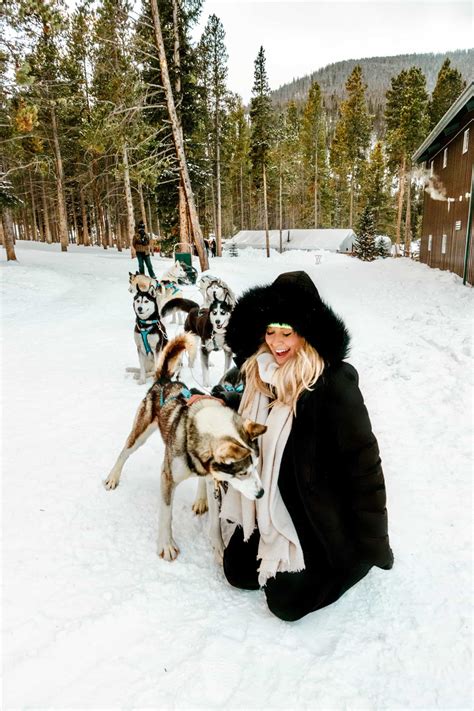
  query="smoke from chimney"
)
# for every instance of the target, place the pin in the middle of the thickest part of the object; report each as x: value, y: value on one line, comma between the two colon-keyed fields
x: 432, y: 184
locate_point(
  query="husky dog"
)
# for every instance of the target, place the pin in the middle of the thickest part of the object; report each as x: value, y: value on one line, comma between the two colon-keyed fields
x: 209, y: 324
x: 175, y: 273
x: 163, y: 290
x: 149, y: 333
x: 214, y: 289
x: 202, y: 438
x: 141, y: 282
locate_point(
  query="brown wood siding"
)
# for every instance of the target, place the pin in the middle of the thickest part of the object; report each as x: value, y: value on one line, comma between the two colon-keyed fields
x: 440, y: 216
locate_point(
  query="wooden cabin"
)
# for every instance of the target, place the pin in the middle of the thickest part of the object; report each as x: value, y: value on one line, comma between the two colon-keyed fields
x: 448, y: 157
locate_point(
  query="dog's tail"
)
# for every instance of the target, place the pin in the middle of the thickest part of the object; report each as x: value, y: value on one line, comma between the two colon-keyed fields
x: 170, y: 356
x: 174, y: 305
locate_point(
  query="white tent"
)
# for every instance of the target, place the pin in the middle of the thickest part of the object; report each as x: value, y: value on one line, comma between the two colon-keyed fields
x: 331, y: 240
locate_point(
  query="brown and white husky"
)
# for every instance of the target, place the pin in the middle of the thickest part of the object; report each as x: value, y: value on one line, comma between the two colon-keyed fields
x: 203, y: 437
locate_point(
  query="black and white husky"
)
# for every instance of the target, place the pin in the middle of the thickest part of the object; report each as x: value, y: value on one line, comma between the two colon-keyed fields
x: 149, y: 333
x: 209, y: 324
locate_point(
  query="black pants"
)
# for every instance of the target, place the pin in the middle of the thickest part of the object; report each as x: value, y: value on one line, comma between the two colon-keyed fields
x: 142, y: 260
x: 290, y: 596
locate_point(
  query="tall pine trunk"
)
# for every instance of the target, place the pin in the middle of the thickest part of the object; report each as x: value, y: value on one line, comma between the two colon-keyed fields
x: 85, y: 226
x: 178, y: 140
x: 408, y: 215
x: 280, y: 208
x: 241, y: 197
x: 316, y: 178
x: 265, y: 210
x: 128, y: 196
x: 62, y: 214
x: 8, y: 235
x: 218, y: 199
x: 401, y: 191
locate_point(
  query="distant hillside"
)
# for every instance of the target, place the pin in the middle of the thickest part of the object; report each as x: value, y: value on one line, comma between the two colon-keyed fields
x: 377, y: 72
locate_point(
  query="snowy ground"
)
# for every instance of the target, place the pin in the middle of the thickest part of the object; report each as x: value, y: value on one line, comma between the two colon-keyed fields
x: 93, y: 619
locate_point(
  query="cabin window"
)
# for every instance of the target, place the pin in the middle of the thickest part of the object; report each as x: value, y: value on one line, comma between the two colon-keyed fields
x: 465, y: 141
x: 430, y: 239
x: 445, y: 158
x: 443, y: 244
x: 457, y: 225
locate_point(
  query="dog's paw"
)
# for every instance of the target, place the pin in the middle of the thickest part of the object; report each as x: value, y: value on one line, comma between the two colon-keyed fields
x: 141, y: 381
x: 168, y: 551
x: 111, y: 482
x: 200, y: 506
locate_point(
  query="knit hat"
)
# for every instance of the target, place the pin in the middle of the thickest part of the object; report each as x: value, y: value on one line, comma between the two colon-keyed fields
x: 291, y: 299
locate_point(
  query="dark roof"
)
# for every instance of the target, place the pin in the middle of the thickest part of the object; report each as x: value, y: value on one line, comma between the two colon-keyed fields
x: 448, y: 125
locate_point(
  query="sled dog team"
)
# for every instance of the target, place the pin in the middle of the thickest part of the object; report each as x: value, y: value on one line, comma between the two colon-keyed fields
x: 309, y: 515
x: 203, y: 436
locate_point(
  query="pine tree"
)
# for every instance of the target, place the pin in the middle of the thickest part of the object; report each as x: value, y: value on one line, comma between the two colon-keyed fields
x: 353, y: 133
x: 364, y: 245
x: 261, y: 130
x: 449, y: 86
x: 375, y: 190
x: 314, y: 154
x: 407, y: 125
x: 213, y: 56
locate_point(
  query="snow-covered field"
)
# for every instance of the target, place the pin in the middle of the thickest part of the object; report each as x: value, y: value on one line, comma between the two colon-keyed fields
x: 93, y: 619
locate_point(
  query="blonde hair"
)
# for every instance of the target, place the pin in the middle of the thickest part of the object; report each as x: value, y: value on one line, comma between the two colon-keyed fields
x: 298, y: 374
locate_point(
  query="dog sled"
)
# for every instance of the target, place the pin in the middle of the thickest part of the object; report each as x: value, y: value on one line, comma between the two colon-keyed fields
x: 185, y: 259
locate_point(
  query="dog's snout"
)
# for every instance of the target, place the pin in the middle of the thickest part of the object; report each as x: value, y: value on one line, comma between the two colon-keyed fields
x: 260, y: 494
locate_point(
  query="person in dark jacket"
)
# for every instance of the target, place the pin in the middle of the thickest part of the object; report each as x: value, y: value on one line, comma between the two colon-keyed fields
x: 142, y: 247
x: 322, y: 522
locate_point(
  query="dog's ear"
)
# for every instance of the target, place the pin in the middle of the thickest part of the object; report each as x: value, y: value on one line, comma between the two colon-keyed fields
x: 230, y: 451
x: 253, y: 429
x: 151, y: 290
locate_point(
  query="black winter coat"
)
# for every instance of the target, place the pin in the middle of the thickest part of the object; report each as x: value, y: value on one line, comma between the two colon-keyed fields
x: 331, y: 471
x: 330, y: 476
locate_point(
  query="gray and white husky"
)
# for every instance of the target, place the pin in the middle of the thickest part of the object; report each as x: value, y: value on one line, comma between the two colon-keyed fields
x: 215, y: 289
x: 149, y: 332
x: 202, y: 436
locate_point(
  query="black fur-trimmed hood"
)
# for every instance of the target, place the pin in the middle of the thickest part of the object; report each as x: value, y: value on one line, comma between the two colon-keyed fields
x: 292, y: 298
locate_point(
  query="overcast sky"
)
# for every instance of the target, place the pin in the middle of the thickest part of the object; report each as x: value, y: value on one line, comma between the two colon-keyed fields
x: 301, y: 36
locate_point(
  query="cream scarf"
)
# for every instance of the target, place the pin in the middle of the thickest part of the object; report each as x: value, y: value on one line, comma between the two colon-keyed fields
x: 279, y: 549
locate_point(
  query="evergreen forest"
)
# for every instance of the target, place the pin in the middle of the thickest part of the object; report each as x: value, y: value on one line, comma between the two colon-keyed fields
x: 90, y: 148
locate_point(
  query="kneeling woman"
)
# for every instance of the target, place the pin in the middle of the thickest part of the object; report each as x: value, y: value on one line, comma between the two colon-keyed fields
x: 322, y: 522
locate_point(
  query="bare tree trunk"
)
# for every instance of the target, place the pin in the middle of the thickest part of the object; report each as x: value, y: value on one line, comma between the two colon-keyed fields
x: 316, y: 178
x: 351, y: 198
x: 150, y: 220
x: 401, y: 191
x: 241, y: 197
x: 265, y: 211
x: 219, y: 199
x: 178, y: 140
x: 280, y: 209
x: 33, y: 208
x: 8, y: 234
x: 74, y: 219
x: 85, y: 227
x: 63, y: 236
x: 250, y: 203
x: 184, y: 234
x: 107, y: 215
x: 142, y: 208
x: 128, y: 196
x: 46, y: 227
x: 408, y: 215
